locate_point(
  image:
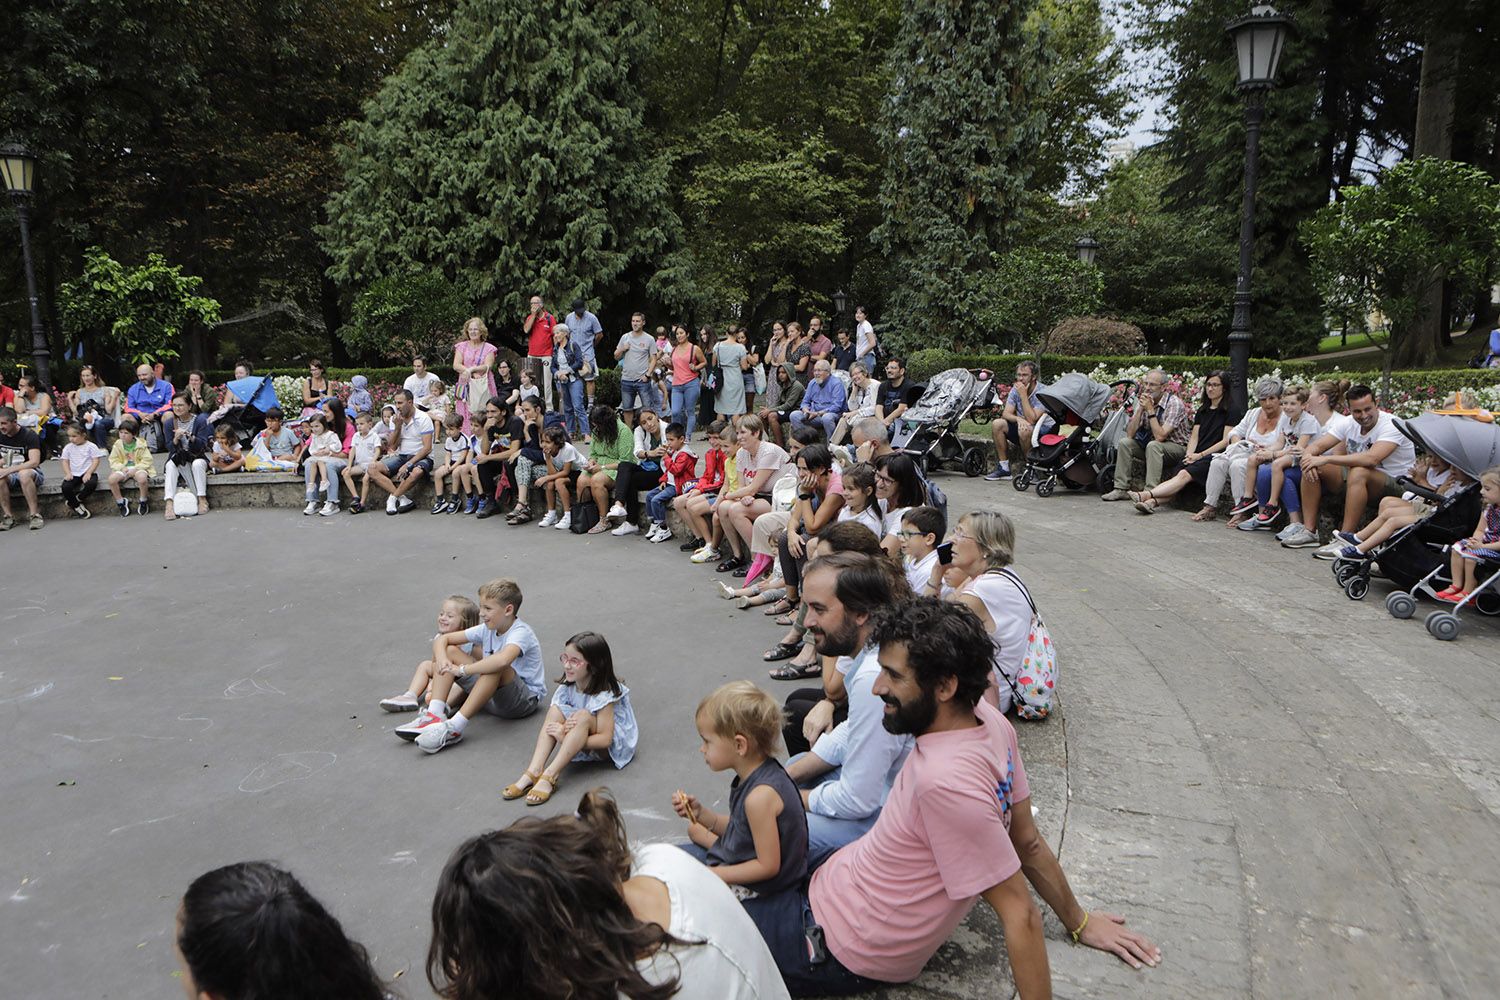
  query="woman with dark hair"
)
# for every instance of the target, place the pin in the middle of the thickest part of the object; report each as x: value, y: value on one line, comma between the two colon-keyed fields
x: 251, y: 931
x: 562, y: 909
x: 499, y: 443
x: 315, y: 388
x: 1212, y: 423
x: 705, y: 341
x: 898, y: 488
x: 613, y: 445
x: 200, y: 394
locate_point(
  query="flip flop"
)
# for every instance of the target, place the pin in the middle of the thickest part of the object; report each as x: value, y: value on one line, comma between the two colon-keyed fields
x: 794, y: 673
x: 781, y: 651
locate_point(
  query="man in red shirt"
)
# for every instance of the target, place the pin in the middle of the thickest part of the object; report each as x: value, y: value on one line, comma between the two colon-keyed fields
x: 538, y: 325
x: 7, y: 394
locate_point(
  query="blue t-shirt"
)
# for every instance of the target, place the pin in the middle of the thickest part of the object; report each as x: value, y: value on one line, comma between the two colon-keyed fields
x: 581, y: 330
x: 528, y: 666
x: 1014, y: 399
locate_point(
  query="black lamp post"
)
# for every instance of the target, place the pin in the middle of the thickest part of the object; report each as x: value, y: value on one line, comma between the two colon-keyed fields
x: 17, y: 166
x: 840, y: 300
x: 1258, y: 40
x: 1086, y: 247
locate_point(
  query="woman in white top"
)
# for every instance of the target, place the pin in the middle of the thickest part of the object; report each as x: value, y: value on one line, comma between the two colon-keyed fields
x: 568, y: 910
x: 984, y: 545
x: 864, y: 393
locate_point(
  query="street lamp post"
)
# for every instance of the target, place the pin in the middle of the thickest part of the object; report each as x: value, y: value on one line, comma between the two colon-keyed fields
x: 1258, y: 40
x: 17, y: 166
x: 1086, y: 247
x: 840, y: 300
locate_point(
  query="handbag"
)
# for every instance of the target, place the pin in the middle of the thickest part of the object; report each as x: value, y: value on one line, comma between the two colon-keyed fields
x: 478, y: 393
x: 784, y: 494
x: 760, y: 379
x: 1034, y: 684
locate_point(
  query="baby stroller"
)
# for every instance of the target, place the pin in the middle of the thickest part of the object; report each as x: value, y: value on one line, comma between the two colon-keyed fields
x: 1078, y: 457
x: 928, y: 432
x: 1417, y: 559
x: 248, y: 420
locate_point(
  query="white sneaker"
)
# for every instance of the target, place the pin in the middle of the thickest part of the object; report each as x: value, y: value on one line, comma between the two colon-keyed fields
x: 1330, y: 551
x: 412, y: 729
x: 1288, y: 531
x: 403, y: 702
x: 565, y: 522
x: 329, y: 509
x: 549, y: 520
x: 706, y: 554
x: 311, y: 508
x: 405, y: 504
x: 616, y: 512
x: 658, y: 533
x: 434, y: 738
x: 627, y: 528
x: 390, y: 505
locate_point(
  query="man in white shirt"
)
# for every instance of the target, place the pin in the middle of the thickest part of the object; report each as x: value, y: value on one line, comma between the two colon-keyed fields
x: 420, y: 382
x: 1375, y: 455
x: 411, y: 458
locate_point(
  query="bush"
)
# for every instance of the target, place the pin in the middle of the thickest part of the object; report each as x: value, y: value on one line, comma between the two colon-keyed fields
x: 1094, y: 335
x: 924, y: 364
x: 405, y: 315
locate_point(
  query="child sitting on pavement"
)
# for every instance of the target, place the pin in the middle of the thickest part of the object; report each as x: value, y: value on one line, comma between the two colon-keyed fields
x: 80, y: 459
x: 760, y: 847
x: 507, y: 680
x: 456, y: 614
x: 677, y: 467
x: 590, y: 719
x: 696, y: 504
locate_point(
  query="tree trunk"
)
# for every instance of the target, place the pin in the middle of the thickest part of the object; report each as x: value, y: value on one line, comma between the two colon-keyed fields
x: 1436, y: 104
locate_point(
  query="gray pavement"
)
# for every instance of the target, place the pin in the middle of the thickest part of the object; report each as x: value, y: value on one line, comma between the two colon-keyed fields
x: 1293, y: 793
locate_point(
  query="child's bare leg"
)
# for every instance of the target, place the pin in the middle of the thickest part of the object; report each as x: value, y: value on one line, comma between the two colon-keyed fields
x: 565, y: 494
x: 1278, y: 475
x: 550, y: 490
x: 572, y: 742
x: 438, y: 475
x: 1251, y: 468
x: 1383, y: 528
x: 115, y: 479
x: 364, y: 487
x: 544, y: 743
x: 479, y: 695
x: 142, y: 482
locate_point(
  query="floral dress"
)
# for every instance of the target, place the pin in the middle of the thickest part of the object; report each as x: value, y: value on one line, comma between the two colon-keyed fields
x: 472, y: 355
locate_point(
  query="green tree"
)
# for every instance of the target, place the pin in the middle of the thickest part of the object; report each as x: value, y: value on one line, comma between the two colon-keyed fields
x: 1384, y: 246
x: 141, y: 313
x: 1032, y: 291
x: 511, y: 156
x: 401, y: 316
x: 960, y: 128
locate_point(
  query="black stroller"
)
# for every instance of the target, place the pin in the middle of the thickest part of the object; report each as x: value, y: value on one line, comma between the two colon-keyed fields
x: 1076, y: 458
x: 1416, y: 560
x: 928, y: 432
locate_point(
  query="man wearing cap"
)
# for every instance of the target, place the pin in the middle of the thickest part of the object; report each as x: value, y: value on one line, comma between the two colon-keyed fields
x: 585, y: 330
x: 538, y: 326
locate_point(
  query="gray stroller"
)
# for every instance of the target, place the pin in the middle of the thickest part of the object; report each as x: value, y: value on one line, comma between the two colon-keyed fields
x: 1079, y: 458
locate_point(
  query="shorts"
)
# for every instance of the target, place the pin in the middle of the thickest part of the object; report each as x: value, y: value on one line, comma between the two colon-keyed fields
x: 634, y: 395
x: 512, y: 701
x: 14, y: 478
x: 394, y: 463
x: 1391, y: 489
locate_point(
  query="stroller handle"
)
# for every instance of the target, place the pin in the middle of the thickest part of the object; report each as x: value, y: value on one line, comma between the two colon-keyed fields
x: 1409, y: 486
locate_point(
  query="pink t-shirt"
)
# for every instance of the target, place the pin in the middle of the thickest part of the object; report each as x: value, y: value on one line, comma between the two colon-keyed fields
x: 889, y: 900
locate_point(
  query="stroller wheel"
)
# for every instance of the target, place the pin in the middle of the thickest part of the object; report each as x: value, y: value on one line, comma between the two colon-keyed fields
x: 973, y: 462
x: 1401, y: 605
x: 1022, y: 480
x: 1342, y: 571
x: 1357, y: 587
x: 1046, y: 487
x: 1442, y: 625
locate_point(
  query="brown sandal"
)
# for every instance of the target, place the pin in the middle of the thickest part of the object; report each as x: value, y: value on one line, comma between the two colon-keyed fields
x: 514, y: 790
x: 536, y: 797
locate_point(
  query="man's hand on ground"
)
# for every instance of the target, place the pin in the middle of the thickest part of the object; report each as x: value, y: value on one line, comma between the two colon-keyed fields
x: 1107, y: 932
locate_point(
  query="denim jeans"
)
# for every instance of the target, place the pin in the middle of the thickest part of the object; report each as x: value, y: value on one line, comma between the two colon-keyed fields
x: 656, y: 503
x: 685, y: 404
x: 826, y: 834
x: 334, y: 466
x: 1291, y: 481
x: 574, y: 407
x: 784, y: 919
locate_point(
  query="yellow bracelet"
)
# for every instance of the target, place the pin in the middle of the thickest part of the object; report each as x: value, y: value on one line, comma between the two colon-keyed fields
x: 1080, y: 927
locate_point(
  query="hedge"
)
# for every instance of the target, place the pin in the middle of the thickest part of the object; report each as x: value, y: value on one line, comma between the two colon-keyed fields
x: 924, y: 364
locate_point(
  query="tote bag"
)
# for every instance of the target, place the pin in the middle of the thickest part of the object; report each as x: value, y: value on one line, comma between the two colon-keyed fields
x: 1035, y: 683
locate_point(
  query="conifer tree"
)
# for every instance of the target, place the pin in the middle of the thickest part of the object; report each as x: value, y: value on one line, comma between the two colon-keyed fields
x: 960, y: 127
x: 511, y: 155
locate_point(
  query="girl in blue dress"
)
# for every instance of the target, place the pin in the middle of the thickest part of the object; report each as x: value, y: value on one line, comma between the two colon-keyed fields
x: 590, y: 719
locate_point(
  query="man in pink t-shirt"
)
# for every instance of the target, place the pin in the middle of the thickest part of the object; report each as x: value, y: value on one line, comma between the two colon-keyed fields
x: 954, y: 828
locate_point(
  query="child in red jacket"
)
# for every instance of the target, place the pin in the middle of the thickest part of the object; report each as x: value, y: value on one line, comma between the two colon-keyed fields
x: 677, y: 467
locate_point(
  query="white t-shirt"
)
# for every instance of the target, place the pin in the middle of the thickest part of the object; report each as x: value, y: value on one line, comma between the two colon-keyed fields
x: 919, y: 572
x: 1011, y: 613
x: 1398, y: 462
x: 1248, y: 430
x: 891, y: 520
x: 412, y: 432
x: 568, y: 453
x: 869, y: 517
x: 78, y: 456
x: 420, y: 386
x: 864, y: 341
x: 1292, y: 433
x: 768, y: 456
x: 733, y: 962
x: 528, y: 666
x: 365, y: 446
x: 328, y: 441
x: 456, y: 446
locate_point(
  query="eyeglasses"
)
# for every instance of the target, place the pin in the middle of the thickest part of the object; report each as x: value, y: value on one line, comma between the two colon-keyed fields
x: 957, y: 536
x: 881, y: 477
x: 910, y: 534
x: 572, y: 661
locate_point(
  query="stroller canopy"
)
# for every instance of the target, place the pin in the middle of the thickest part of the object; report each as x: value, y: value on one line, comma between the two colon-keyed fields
x: 1470, y: 446
x: 946, y: 396
x: 1077, y: 394
x: 256, y: 391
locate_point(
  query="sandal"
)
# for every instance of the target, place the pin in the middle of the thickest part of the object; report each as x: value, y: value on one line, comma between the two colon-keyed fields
x: 1147, y: 504
x: 598, y: 529
x: 781, y: 607
x: 520, y: 515
x: 515, y: 790
x: 733, y: 562
x: 536, y: 796
x: 727, y: 592
x: 1206, y: 513
x: 792, y: 672
x: 781, y: 651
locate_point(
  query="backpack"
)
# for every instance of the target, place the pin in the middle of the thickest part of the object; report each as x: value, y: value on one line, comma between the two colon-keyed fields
x: 585, y: 516
x: 1034, y: 685
x: 935, y: 495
